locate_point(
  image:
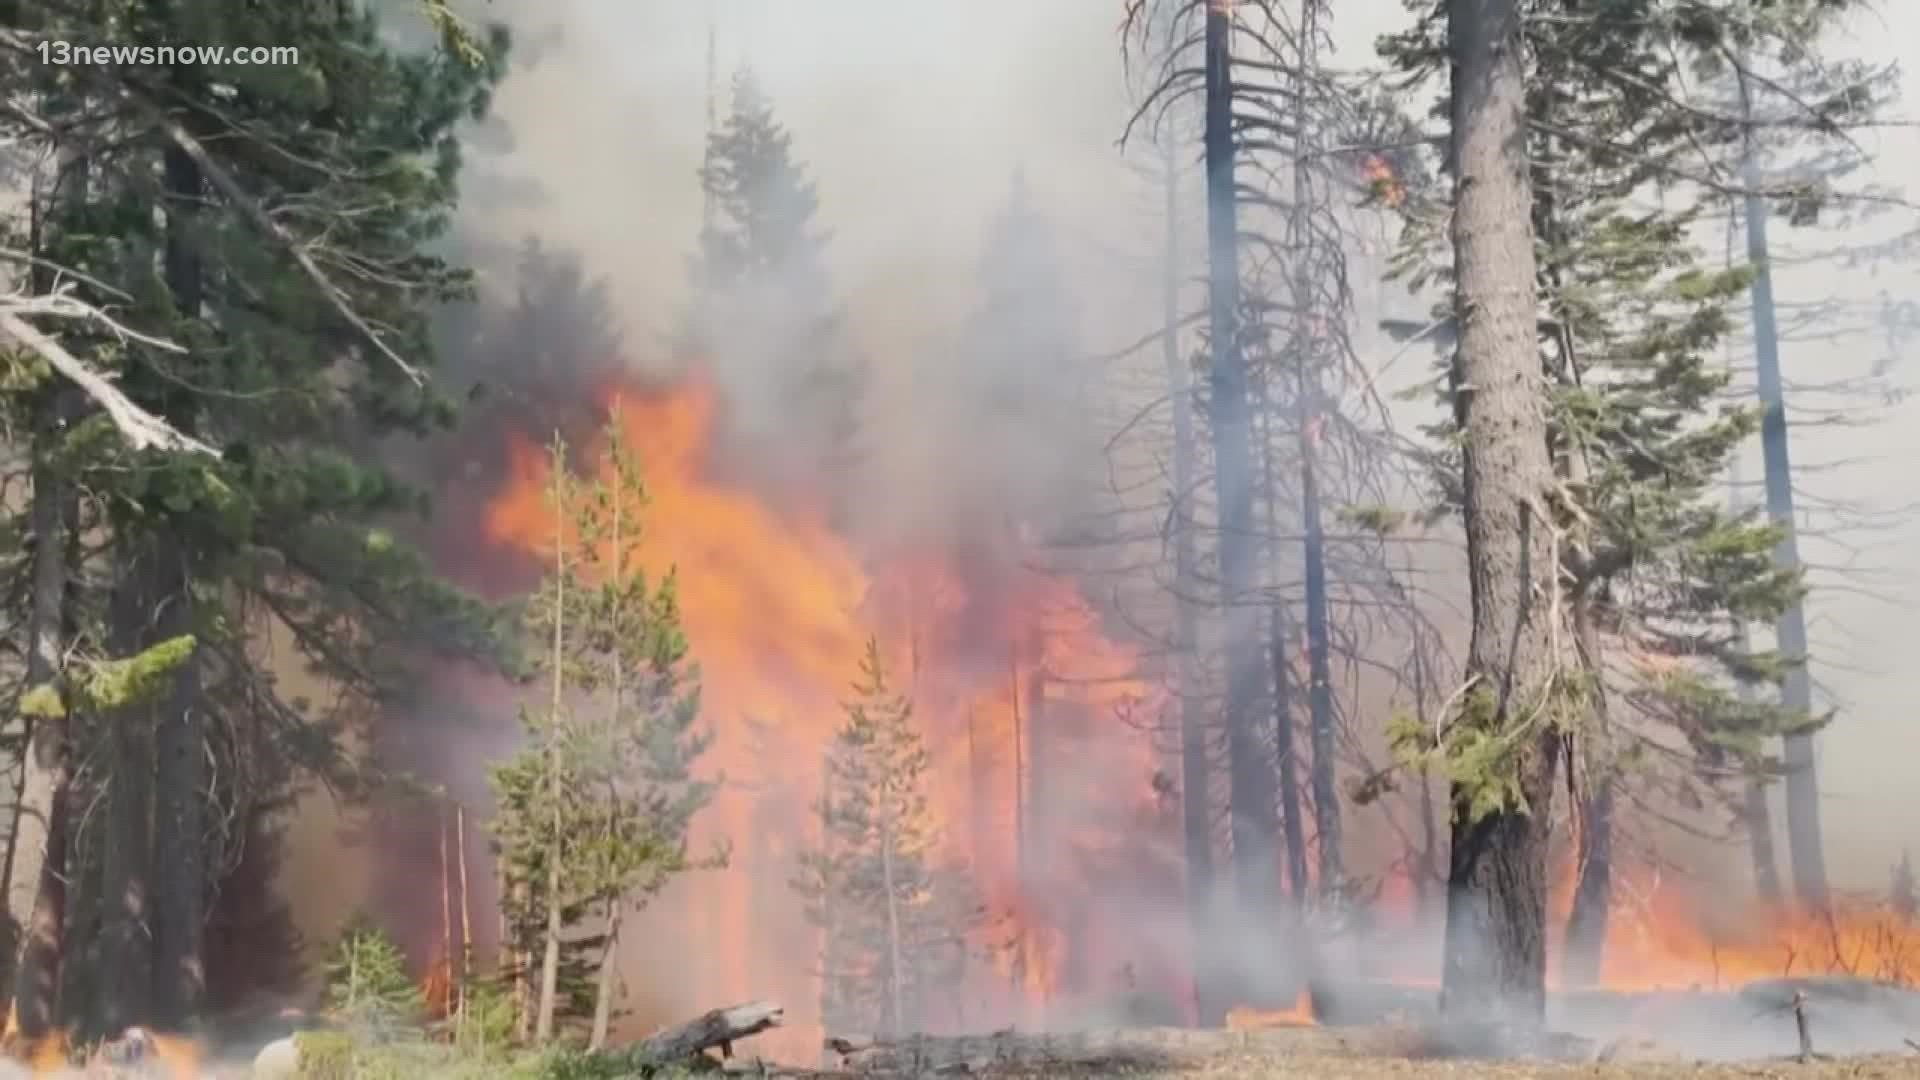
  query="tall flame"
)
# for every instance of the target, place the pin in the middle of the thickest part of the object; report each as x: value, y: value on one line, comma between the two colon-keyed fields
x: 1018, y: 692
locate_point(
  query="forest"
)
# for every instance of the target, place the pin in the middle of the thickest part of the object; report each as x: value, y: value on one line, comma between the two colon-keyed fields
x: 604, y: 538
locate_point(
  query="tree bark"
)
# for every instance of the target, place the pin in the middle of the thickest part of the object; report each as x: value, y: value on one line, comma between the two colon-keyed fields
x: 896, y: 1018
x: 1320, y: 732
x: 466, y: 912
x: 1293, y: 829
x: 37, y: 863
x: 550, y: 960
x: 603, y: 984
x: 124, y: 971
x: 1195, y: 796
x: 1756, y: 814
x: 180, y: 834
x: 1249, y: 769
x: 180, y: 844
x: 1805, y: 845
x: 717, y: 1028
x: 1495, y: 955
x: 37, y: 899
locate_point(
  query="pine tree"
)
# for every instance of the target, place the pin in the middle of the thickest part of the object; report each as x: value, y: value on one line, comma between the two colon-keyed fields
x: 368, y: 987
x: 641, y: 745
x: 1905, y: 895
x: 594, y: 812
x: 762, y: 302
x: 280, y: 368
x: 1655, y: 571
x: 894, y: 918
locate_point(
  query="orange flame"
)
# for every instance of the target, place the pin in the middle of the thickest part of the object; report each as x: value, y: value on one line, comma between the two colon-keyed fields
x: 1247, y: 1018
x: 1666, y: 932
x: 1013, y: 681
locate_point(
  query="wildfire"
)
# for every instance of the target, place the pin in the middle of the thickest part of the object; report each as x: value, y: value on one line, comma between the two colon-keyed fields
x: 1247, y: 1018
x: 1016, y: 689
x: 1665, y: 935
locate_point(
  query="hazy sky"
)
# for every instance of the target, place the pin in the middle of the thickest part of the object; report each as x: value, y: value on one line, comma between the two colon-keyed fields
x: 913, y: 117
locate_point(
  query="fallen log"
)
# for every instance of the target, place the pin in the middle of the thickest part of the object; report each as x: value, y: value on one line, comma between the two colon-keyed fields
x: 720, y: 1029
x: 1172, y: 1048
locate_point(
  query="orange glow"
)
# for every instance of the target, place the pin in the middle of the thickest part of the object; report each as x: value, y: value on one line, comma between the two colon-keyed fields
x: 1382, y: 184
x: 179, y: 1056
x: 436, y: 987
x: 48, y: 1055
x: 1245, y: 1018
x: 1017, y: 691
x: 1667, y: 934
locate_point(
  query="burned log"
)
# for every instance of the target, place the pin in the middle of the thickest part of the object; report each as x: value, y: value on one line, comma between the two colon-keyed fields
x: 1173, y: 1048
x: 1117, y: 1048
x: 718, y: 1029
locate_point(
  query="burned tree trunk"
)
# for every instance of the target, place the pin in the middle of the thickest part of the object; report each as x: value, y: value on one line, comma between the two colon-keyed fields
x: 1249, y: 770
x: 1495, y: 951
x: 1196, y: 804
x: 1592, y: 895
x: 1307, y: 344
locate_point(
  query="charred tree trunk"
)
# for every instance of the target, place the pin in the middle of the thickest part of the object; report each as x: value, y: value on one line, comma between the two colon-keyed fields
x: 180, y: 834
x: 37, y: 900
x: 1495, y: 951
x: 1196, y: 797
x: 1587, y: 924
x: 1307, y: 343
x: 1249, y: 769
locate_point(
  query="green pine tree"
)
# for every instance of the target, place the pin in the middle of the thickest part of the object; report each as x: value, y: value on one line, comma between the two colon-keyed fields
x: 273, y: 223
x: 594, y: 813
x: 368, y: 988
x: 893, y: 916
x: 1658, y: 578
